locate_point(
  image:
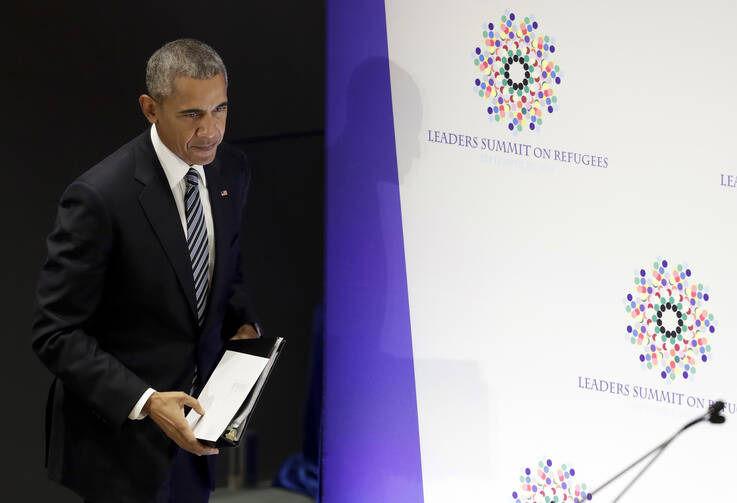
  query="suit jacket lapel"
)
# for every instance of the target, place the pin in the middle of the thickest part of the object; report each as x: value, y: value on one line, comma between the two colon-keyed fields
x: 222, y: 222
x: 158, y: 204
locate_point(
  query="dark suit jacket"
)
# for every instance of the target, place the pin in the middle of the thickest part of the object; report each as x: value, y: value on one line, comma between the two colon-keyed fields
x: 116, y: 314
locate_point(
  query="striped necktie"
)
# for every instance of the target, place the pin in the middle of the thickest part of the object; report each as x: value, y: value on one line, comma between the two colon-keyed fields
x: 199, y: 252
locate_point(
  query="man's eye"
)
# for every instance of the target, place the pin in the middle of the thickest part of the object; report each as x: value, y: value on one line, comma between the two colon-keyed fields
x: 191, y: 115
x: 221, y: 109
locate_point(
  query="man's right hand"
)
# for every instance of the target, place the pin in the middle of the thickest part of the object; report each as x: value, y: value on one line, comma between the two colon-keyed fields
x: 167, y: 410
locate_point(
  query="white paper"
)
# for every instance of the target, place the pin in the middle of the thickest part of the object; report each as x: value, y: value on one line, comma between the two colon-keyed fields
x: 243, y: 415
x: 224, y: 393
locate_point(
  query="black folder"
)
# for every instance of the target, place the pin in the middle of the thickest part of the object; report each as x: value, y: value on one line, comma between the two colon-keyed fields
x: 265, y: 347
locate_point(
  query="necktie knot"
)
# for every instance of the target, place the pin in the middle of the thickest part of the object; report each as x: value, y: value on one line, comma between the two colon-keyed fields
x: 192, y: 177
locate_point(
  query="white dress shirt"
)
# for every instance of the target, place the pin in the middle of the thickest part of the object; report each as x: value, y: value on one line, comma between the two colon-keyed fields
x: 175, y: 170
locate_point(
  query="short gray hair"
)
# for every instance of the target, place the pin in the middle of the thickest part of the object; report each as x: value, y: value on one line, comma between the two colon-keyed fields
x: 185, y: 57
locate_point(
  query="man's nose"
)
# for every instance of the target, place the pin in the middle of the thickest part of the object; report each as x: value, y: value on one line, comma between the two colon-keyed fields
x: 207, y: 127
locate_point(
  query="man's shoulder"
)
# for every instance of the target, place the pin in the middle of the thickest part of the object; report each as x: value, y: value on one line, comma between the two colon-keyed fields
x: 232, y: 164
x: 118, y: 167
x: 232, y: 157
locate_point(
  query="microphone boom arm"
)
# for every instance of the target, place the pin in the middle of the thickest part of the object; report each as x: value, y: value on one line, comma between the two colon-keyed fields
x: 712, y: 416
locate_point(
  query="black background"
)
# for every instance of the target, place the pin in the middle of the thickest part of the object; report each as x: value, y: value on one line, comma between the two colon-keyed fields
x: 72, y: 77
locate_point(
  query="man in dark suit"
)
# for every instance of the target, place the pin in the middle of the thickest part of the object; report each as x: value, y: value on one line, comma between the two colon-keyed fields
x: 141, y: 288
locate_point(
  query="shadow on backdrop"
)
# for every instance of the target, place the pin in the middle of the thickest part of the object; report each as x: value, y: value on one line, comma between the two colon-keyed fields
x: 371, y: 439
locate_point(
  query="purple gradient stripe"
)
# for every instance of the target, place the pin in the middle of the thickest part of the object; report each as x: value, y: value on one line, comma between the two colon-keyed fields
x: 371, y: 448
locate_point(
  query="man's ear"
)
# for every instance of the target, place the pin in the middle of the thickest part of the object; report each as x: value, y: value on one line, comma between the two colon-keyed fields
x: 149, y: 108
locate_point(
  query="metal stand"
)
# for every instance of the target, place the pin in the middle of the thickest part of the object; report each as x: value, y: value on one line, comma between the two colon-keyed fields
x: 713, y: 415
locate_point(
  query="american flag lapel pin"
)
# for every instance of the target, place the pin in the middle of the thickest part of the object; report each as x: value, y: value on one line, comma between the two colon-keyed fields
x: 223, y: 193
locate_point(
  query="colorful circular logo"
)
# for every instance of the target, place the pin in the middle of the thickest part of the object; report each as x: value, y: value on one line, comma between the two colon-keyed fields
x: 545, y: 484
x: 518, y: 72
x: 670, y: 321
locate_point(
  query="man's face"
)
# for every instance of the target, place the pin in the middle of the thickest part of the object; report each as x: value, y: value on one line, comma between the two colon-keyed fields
x: 191, y: 122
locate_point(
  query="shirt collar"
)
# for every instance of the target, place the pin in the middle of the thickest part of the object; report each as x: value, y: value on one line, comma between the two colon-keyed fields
x: 174, y: 168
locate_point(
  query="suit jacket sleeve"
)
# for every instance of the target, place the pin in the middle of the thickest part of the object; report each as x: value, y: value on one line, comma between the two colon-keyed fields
x: 69, y: 290
x: 239, y: 309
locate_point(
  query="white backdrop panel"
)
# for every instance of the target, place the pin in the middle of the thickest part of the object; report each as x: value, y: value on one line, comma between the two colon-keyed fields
x: 518, y: 267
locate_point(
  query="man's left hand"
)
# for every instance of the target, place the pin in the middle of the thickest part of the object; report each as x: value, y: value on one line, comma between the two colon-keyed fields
x: 245, y: 332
